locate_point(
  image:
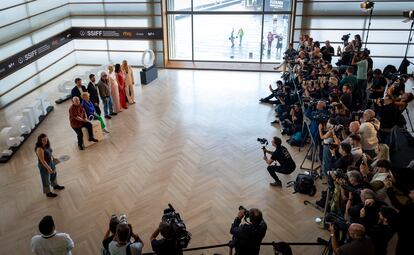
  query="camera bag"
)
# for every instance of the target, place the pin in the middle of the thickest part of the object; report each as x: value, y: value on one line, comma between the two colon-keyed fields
x: 304, y: 184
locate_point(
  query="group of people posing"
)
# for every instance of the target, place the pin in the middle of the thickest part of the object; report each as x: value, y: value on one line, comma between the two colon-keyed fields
x: 115, y: 88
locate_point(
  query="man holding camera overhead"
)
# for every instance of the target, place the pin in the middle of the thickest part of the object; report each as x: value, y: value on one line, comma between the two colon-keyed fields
x: 248, y: 237
x: 121, y: 244
x: 281, y: 155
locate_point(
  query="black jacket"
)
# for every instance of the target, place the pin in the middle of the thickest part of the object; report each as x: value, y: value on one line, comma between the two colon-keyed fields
x: 76, y: 93
x: 93, y: 93
x: 247, y: 237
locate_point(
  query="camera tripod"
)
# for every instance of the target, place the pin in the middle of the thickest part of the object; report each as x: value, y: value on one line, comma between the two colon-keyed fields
x: 312, y: 152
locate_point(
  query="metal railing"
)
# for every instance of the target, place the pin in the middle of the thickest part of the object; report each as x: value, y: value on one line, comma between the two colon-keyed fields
x: 320, y: 242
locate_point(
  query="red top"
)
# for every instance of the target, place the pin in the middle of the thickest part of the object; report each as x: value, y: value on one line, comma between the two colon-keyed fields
x: 121, y: 80
x: 74, y: 111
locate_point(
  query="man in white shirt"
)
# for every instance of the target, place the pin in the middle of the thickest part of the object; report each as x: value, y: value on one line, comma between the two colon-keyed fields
x: 121, y: 242
x: 50, y: 242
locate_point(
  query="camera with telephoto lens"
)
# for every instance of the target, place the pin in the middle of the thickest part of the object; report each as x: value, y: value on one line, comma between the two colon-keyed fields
x: 339, y: 173
x: 349, y: 188
x: 345, y: 38
x: 337, y: 221
x: 178, y: 228
x: 357, y: 115
x: 245, y: 212
x: 122, y: 219
x: 320, y: 117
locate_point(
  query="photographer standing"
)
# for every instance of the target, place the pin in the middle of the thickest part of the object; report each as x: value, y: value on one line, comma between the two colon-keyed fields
x: 121, y: 242
x: 281, y: 155
x: 362, y: 68
x: 368, y: 131
x: 167, y: 245
x: 248, y: 237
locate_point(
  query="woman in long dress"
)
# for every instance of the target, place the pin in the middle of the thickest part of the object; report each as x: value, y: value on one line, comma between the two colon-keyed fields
x: 121, y: 83
x: 129, y: 82
x: 114, y: 89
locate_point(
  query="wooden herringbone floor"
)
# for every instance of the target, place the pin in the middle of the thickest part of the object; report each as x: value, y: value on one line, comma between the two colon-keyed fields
x: 190, y: 140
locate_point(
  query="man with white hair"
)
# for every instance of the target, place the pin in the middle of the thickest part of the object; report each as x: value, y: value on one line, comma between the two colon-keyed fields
x: 368, y: 131
x: 105, y: 93
x: 78, y: 120
x: 360, y: 244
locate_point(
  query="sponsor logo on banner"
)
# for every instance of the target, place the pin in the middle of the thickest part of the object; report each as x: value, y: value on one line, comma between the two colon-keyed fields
x: 127, y: 34
x: 11, y: 64
x: 20, y: 60
x: 55, y: 42
x: 82, y: 33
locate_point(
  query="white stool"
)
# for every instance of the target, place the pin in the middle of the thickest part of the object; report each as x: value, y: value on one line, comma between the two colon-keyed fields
x: 97, y: 133
x: 44, y: 103
x: 21, y: 125
x: 8, y: 139
x: 35, y: 107
x: 29, y: 118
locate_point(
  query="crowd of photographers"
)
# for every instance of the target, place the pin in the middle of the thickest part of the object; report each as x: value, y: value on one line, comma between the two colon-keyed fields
x: 348, y: 113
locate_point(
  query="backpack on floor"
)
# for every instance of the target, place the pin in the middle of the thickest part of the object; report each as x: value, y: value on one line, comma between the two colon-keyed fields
x: 304, y: 184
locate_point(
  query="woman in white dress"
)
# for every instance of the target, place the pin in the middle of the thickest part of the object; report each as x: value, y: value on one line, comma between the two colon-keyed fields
x: 129, y: 82
x: 114, y: 89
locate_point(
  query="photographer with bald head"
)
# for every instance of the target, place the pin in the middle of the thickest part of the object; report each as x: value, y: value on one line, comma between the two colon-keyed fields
x: 368, y: 131
x: 359, y: 244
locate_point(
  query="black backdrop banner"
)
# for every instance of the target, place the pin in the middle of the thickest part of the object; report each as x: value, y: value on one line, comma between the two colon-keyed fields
x: 33, y: 53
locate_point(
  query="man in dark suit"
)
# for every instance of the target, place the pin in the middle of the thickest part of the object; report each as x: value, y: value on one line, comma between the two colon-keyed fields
x: 78, y: 89
x: 93, y: 93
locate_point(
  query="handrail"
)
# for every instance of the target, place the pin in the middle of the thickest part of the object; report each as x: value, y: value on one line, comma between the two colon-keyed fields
x: 227, y: 245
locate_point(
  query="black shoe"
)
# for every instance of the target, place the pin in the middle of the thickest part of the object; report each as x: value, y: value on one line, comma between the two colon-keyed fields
x: 81, y: 147
x: 108, y: 117
x: 276, y: 184
x: 113, y: 114
x: 58, y: 187
x: 50, y: 194
x: 93, y: 140
x: 274, y: 122
x: 262, y: 100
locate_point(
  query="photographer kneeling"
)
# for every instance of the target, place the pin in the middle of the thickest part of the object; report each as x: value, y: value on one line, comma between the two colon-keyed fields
x: 248, y: 237
x: 281, y: 155
x: 167, y: 245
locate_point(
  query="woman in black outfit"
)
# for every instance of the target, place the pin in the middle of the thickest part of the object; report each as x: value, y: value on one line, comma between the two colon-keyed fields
x: 46, y: 164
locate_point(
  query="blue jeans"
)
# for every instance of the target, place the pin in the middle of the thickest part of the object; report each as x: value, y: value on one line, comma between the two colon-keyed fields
x: 47, y: 178
x: 107, y: 102
x: 326, y: 159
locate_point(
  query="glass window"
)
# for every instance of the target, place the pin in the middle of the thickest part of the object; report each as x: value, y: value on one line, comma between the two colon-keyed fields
x: 13, y: 14
x: 227, y: 37
x: 15, y: 47
x: 277, y: 5
x: 178, y: 5
x: 275, y: 37
x: 223, y: 5
x: 179, y: 36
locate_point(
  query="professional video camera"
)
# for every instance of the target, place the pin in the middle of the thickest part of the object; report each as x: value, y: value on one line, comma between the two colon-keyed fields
x: 357, y: 115
x: 178, y: 229
x: 338, y: 221
x: 245, y: 211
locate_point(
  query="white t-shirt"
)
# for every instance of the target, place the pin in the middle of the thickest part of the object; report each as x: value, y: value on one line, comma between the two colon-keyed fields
x: 58, y: 244
x: 114, y: 249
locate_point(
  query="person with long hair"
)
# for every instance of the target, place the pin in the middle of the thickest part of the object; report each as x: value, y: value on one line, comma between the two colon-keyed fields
x: 129, y: 81
x: 47, y: 165
x: 120, y: 77
x: 114, y: 89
